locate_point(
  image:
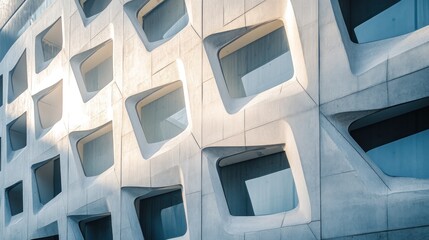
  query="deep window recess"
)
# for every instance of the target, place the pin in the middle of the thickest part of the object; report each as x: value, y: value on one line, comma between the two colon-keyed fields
x: 163, y: 113
x: 396, y: 139
x: 17, y: 130
x: 48, y: 179
x: 50, y: 106
x: 96, y: 151
x: 257, y: 61
x: 93, y: 7
x: 97, y: 70
x: 164, y: 20
x: 15, y: 198
x: 97, y: 228
x: 48, y: 44
x: 261, y: 185
x: 55, y: 237
x: 368, y: 20
x: 18, y: 78
x: 162, y: 216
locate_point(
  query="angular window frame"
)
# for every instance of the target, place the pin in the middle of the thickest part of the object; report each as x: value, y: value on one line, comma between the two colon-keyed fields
x: 392, y: 115
x: 56, y: 161
x: 11, y: 150
x: 88, y: 19
x: 12, y: 210
x: 41, y: 61
x: 13, y: 92
x: 96, y: 218
x: 39, y: 117
x: 147, y: 149
x: 81, y: 64
x: 138, y: 8
x: 79, y: 138
x: 240, y: 224
x: 224, y: 42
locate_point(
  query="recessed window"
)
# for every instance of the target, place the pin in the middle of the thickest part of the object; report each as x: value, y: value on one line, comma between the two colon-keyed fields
x: 396, y: 139
x: 48, y: 179
x: 256, y: 183
x: 162, y: 216
x: 49, y: 106
x: 1, y: 90
x: 99, y: 227
x: 48, y: 44
x: 163, y: 20
x: 257, y: 61
x: 55, y: 237
x: 163, y: 113
x: 96, y: 151
x: 18, y: 78
x: 97, y: 70
x: 17, y: 130
x: 93, y: 7
x: 15, y: 198
x: 369, y: 21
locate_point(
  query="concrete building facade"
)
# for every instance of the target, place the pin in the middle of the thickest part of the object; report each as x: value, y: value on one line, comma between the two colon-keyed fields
x: 214, y: 119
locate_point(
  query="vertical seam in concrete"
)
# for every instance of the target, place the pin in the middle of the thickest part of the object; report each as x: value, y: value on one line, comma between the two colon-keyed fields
x: 202, y: 115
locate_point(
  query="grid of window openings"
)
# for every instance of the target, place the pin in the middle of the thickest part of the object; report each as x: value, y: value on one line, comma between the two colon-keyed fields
x: 395, y: 139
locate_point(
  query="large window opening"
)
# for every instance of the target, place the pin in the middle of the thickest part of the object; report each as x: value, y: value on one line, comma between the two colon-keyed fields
x: 48, y: 180
x: 368, y: 20
x: 99, y: 227
x: 96, y: 151
x: 163, y: 113
x: 396, y: 139
x: 162, y: 216
x: 257, y: 61
x: 48, y: 44
x: 15, y: 198
x: 257, y: 183
x: 163, y: 20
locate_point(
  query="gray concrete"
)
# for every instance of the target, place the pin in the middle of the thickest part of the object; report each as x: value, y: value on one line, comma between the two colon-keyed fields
x: 342, y: 193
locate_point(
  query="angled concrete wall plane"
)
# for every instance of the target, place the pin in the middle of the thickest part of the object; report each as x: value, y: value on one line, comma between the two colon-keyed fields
x: 214, y: 119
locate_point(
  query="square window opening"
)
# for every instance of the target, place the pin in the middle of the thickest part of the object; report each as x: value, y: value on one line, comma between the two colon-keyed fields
x: 18, y: 82
x: 162, y: 216
x: 99, y: 227
x: 48, y: 180
x: 396, y: 139
x: 50, y: 106
x: 17, y: 131
x: 14, y: 196
x: 257, y: 61
x: 162, y: 20
x: 257, y: 183
x: 96, y: 151
x: 365, y: 18
x: 93, y: 7
x: 163, y: 113
x: 97, y: 69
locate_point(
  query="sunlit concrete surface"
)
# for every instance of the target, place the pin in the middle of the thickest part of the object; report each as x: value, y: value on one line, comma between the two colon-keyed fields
x: 214, y: 119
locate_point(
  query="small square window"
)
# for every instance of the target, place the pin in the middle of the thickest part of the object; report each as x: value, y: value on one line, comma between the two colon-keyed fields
x: 48, y: 44
x: 14, y: 196
x: 257, y: 61
x: 249, y: 61
x: 93, y: 69
x: 48, y: 107
x: 93, y: 7
x: 48, y: 179
x: 17, y: 133
x: 96, y: 151
x: 157, y: 21
x: 99, y: 227
x: 261, y: 185
x: 162, y: 216
x: 396, y: 139
x: 163, y: 114
x: 18, y: 82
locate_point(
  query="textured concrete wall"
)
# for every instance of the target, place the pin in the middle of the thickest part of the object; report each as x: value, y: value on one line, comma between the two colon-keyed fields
x: 342, y: 194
